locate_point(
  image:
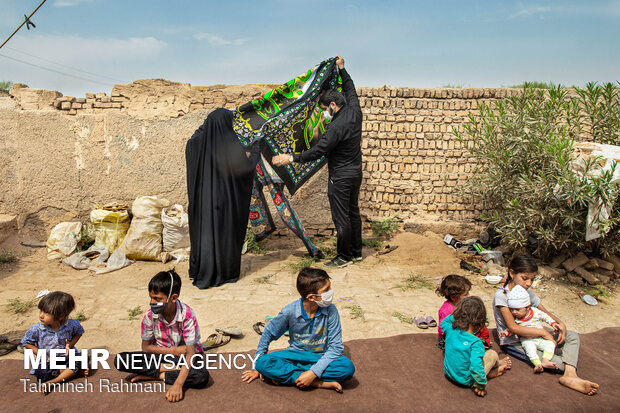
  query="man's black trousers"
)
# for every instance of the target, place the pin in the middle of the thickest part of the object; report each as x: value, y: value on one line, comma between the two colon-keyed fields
x: 343, y: 193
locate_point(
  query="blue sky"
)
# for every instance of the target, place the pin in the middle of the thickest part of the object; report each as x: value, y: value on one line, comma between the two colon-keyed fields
x: 399, y: 43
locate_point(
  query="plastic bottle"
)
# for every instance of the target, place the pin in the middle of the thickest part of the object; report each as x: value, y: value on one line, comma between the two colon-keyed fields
x: 588, y: 299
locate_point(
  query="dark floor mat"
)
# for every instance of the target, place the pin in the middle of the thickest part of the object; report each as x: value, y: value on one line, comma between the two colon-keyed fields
x: 402, y: 373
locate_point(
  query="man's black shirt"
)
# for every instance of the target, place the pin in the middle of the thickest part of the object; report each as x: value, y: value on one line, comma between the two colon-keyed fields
x: 341, y: 143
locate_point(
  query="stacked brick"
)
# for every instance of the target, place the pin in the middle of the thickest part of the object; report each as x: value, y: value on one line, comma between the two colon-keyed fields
x: 413, y: 163
x: 92, y: 103
x: 581, y: 269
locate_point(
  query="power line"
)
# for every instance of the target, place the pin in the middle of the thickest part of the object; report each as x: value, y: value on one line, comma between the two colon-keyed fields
x: 62, y: 65
x: 26, y: 21
x: 53, y: 70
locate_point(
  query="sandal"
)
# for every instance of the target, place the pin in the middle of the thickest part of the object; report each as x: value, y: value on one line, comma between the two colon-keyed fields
x: 430, y: 321
x: 215, y: 340
x: 7, y: 346
x: 421, y: 323
x: 230, y: 331
x: 387, y: 249
x: 257, y: 327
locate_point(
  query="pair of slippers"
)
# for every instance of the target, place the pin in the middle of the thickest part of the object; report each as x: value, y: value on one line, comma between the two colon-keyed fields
x: 221, y: 337
x: 425, y: 322
x: 7, y: 345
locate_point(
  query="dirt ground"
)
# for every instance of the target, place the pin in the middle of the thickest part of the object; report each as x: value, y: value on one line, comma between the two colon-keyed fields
x: 267, y: 284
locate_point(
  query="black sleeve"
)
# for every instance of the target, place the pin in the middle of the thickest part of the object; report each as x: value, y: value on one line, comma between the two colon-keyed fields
x: 325, y: 145
x: 348, y: 90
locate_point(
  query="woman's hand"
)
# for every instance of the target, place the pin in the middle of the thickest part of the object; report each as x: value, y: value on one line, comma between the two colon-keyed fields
x: 561, y: 327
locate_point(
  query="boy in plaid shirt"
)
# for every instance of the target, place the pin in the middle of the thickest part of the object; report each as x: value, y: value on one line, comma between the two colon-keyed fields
x: 169, y: 329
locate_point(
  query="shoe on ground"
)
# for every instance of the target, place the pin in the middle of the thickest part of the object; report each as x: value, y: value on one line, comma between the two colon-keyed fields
x: 338, y: 262
x: 357, y: 259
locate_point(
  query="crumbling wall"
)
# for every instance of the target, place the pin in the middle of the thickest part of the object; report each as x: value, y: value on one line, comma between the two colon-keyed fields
x: 59, y: 155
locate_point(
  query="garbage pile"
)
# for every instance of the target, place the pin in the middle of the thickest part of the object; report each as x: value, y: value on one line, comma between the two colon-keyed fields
x: 480, y: 255
x: 155, y: 230
x: 484, y: 256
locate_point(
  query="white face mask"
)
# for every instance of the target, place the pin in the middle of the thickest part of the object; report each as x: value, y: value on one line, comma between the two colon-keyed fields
x: 326, y: 299
x: 328, y: 114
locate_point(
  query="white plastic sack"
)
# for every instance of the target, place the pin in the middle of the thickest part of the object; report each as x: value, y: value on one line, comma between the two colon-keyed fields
x: 63, y: 239
x: 144, y: 238
x: 95, y: 255
x: 608, y: 160
x: 176, y: 228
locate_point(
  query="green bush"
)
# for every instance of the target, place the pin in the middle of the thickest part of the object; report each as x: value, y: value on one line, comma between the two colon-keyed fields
x: 523, y: 149
x: 5, y: 85
x: 384, y: 227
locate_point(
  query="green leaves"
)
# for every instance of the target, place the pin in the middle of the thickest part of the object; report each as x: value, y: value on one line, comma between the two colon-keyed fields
x: 523, y: 146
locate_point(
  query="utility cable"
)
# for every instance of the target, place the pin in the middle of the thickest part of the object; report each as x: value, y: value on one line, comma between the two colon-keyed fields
x: 26, y: 21
x: 65, y: 66
x: 53, y: 70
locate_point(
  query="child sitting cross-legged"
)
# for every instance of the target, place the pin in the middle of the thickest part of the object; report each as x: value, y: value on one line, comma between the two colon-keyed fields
x: 465, y: 360
x: 168, y: 328
x: 454, y: 288
x: 55, y: 330
x: 521, y: 308
x: 314, y: 358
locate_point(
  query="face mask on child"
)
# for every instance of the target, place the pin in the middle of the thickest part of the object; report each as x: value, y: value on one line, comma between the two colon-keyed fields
x: 326, y: 299
x: 160, y: 308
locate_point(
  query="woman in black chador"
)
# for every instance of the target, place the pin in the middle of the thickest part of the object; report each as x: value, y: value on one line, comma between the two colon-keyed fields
x: 219, y: 186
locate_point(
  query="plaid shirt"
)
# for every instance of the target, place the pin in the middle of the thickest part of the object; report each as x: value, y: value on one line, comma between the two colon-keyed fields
x: 43, y: 337
x: 182, y: 330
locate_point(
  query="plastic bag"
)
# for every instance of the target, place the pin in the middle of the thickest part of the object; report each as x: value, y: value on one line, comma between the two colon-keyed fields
x: 110, y: 227
x: 144, y: 238
x: 176, y: 228
x: 116, y: 261
x: 63, y: 239
x: 180, y: 254
x: 95, y: 255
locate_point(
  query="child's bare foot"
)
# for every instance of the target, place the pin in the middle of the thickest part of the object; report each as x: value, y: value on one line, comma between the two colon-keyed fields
x: 268, y: 380
x: 330, y: 385
x: 479, y: 392
x: 140, y: 377
x: 502, y: 366
x: 548, y: 364
x: 86, y: 372
x: 539, y: 368
x: 579, y: 384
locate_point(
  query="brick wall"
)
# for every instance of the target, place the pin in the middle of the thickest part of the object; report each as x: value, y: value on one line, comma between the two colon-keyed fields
x: 413, y: 163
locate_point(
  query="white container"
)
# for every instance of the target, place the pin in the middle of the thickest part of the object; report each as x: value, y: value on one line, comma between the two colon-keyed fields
x: 493, y: 279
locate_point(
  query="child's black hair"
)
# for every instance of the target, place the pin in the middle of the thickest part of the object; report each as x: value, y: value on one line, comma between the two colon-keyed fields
x: 58, y: 304
x: 522, y: 263
x: 453, y: 286
x: 161, y: 283
x: 470, y: 311
x: 310, y: 281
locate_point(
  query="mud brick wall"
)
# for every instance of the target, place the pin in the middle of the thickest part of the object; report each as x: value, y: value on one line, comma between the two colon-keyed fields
x: 60, y: 155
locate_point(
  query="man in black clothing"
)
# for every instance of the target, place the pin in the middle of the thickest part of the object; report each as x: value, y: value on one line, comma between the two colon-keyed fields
x: 341, y: 144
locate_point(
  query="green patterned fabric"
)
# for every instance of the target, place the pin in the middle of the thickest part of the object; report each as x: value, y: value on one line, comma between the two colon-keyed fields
x: 288, y: 120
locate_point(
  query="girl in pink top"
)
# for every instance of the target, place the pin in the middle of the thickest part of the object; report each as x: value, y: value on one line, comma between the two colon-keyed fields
x: 454, y: 288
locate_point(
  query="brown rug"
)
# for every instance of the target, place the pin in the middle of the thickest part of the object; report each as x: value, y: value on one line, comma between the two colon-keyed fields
x: 401, y: 373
